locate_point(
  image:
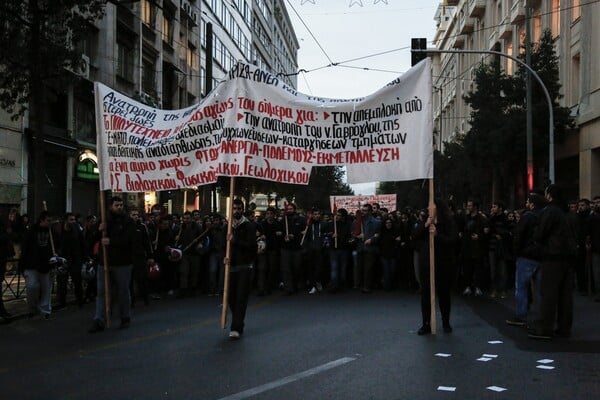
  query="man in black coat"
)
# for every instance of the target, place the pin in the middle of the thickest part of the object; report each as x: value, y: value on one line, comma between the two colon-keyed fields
x: 119, y: 242
x: 555, y: 276
x: 73, y: 249
x: 242, y: 256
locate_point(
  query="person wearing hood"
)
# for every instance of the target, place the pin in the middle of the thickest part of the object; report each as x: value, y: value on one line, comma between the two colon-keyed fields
x: 242, y: 256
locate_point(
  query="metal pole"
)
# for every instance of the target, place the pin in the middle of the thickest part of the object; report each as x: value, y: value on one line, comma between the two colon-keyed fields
x: 536, y: 76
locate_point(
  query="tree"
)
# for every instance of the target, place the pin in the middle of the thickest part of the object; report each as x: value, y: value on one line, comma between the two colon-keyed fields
x: 38, y: 40
x: 544, y: 62
x: 490, y: 143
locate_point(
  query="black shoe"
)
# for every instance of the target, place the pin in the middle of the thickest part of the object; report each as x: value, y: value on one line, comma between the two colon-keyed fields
x: 125, y: 322
x: 424, y: 330
x: 46, y: 317
x: 539, y: 336
x: 5, y: 314
x: 447, y: 328
x: 562, y: 334
x: 97, y: 326
x: 515, y: 322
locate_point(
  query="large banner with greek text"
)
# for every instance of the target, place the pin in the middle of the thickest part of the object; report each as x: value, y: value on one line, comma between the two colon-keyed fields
x: 353, y: 203
x: 255, y: 125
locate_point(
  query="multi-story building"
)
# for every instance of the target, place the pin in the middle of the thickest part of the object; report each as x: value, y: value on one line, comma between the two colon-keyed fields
x: 500, y: 25
x: 153, y: 51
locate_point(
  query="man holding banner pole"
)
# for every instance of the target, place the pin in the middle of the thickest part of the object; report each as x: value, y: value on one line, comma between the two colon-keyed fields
x: 242, y: 254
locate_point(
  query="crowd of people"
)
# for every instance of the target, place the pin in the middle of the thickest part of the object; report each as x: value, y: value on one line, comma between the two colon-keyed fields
x: 541, y: 252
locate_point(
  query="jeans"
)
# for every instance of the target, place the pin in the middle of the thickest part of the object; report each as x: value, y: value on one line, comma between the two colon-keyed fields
x: 291, y: 270
x: 389, y: 270
x: 497, y: 271
x: 338, y: 262
x: 121, y: 276
x: 215, y: 271
x: 189, y: 272
x: 526, y: 268
x: 39, y: 290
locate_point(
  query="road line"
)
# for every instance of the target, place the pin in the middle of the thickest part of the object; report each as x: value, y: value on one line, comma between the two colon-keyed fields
x: 288, y: 379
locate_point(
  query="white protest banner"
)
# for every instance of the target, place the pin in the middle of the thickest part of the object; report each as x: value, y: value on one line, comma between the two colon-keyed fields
x: 353, y: 203
x: 255, y: 125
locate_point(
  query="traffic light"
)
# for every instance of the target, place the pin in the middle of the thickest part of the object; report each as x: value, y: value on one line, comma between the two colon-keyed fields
x: 417, y: 44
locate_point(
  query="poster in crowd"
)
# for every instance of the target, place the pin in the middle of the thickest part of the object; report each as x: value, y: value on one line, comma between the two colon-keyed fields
x: 353, y: 203
x: 253, y: 124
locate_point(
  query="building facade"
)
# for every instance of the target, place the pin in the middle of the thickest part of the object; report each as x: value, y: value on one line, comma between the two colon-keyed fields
x: 153, y: 51
x: 500, y: 25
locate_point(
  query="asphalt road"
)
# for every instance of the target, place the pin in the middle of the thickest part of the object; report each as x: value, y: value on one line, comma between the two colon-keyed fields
x: 344, y: 346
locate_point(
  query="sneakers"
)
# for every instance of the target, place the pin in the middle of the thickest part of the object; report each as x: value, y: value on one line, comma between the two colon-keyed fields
x: 234, y: 335
x: 503, y: 295
x: 319, y: 287
x: 515, y: 321
x: 97, y: 326
x: 125, y: 322
x: 313, y: 290
x: 424, y: 330
x: 467, y: 291
x: 478, y: 292
x: 493, y: 294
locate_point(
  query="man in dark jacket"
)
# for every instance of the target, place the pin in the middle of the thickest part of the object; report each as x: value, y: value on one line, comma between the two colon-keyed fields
x: 73, y: 249
x: 555, y: 276
x: 119, y: 240
x: 36, y: 262
x: 528, y: 257
x: 242, y: 256
x: 291, y: 251
x: 271, y: 234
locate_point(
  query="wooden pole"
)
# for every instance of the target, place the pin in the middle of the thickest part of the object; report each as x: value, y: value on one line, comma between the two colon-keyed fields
x: 228, y: 255
x: 432, y: 215
x: 105, y: 261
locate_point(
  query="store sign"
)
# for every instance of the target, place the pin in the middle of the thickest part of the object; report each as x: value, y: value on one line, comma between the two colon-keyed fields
x: 11, y: 158
x: 87, y: 166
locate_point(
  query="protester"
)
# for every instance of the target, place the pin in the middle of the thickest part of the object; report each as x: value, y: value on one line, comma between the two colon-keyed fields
x: 269, y: 252
x: 243, y: 253
x: 555, y: 274
x: 443, y: 228
x: 142, y: 255
x: 339, y: 249
x: 314, y: 253
x: 474, y: 250
x: 528, y: 258
x: 498, y: 239
x: 291, y: 251
x: 73, y: 250
x: 367, y: 246
x: 118, y: 238
x: 36, y: 262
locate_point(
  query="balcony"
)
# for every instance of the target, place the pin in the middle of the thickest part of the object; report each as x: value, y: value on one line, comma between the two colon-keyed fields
x: 476, y: 8
x: 452, y: 2
x: 459, y: 42
x: 517, y: 12
x: 466, y: 24
x: 505, y: 29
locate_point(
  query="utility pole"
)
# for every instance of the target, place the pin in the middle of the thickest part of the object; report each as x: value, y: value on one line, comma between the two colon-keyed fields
x: 529, y: 102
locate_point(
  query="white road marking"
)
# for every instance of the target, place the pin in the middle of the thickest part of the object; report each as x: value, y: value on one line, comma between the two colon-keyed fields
x: 288, y: 379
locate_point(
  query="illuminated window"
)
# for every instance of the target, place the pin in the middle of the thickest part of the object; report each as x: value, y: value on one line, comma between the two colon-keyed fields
x: 555, y: 18
x: 148, y: 13
x: 576, y: 10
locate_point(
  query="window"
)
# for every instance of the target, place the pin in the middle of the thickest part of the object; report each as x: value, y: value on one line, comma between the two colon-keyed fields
x: 509, y: 62
x: 576, y: 10
x: 555, y: 18
x: 575, y: 71
x: 148, y: 13
x: 124, y: 61
x: 167, y: 29
x: 148, y: 76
